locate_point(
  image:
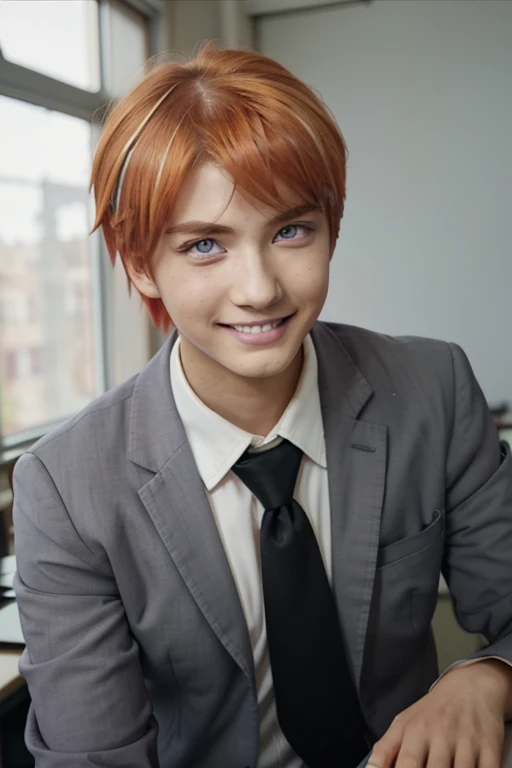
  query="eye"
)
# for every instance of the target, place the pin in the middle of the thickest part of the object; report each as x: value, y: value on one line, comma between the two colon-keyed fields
x: 206, y: 247
x: 294, y: 232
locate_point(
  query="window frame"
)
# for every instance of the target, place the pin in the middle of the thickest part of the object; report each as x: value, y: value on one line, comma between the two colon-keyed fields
x: 255, y: 8
x: 25, y: 84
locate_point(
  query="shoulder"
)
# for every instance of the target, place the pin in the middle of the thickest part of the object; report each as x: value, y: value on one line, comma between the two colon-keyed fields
x: 379, y: 353
x: 363, y: 341
x: 92, y: 436
x: 91, y: 450
x: 415, y: 373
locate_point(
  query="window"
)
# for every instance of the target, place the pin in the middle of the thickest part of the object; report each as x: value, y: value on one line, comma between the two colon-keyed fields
x: 67, y: 50
x: 10, y: 366
x: 55, y: 283
x: 45, y: 250
x: 36, y: 366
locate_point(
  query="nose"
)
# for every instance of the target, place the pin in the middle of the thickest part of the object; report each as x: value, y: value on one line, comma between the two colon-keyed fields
x: 255, y: 282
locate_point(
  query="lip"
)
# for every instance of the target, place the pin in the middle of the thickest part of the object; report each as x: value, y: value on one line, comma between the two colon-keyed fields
x: 264, y: 337
x: 265, y: 321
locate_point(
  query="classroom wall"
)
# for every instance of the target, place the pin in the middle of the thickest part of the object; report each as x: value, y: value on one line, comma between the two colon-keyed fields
x: 189, y: 23
x: 423, y: 93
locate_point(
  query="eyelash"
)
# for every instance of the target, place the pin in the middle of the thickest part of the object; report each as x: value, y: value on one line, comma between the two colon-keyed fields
x: 187, y: 248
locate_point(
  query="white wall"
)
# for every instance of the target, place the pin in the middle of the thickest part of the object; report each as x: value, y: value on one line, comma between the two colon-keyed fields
x: 422, y: 90
x: 189, y: 23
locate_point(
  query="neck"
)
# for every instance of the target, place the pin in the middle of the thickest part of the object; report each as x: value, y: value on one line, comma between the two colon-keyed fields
x: 252, y: 404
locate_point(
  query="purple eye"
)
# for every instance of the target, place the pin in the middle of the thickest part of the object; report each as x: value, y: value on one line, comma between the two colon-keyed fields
x: 205, y: 246
x: 289, y: 232
x: 294, y: 233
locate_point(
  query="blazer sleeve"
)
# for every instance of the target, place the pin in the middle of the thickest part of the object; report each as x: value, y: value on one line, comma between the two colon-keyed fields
x: 89, y: 702
x: 478, y: 551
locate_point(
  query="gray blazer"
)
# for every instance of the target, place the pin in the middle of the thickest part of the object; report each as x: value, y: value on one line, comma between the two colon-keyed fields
x: 137, y: 649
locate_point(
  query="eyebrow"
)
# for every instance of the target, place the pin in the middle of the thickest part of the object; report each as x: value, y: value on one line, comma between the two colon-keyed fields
x: 211, y: 228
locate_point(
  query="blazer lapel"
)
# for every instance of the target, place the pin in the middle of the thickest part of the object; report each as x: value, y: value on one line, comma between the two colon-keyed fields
x: 177, y: 503
x: 356, y: 463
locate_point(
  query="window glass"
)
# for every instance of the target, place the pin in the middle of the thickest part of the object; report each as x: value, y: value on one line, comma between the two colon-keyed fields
x: 47, y: 324
x: 59, y: 38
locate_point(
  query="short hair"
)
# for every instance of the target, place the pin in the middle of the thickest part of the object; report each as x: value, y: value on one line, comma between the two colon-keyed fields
x: 237, y: 109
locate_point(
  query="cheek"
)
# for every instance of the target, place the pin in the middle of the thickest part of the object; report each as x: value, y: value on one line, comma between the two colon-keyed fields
x: 189, y: 294
x: 311, y: 282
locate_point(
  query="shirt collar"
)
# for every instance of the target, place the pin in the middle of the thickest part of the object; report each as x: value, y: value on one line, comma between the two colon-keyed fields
x: 216, y: 443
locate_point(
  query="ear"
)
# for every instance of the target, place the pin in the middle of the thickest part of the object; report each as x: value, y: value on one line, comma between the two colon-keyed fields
x: 143, y: 282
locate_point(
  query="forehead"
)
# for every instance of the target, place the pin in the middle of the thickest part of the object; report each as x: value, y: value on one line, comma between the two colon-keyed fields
x: 209, y: 194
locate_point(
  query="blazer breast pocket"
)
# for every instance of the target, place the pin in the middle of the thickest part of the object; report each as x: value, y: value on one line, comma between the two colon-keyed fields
x: 412, y: 545
x: 404, y: 600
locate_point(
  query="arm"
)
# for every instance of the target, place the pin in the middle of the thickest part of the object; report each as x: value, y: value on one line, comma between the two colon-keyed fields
x: 81, y: 664
x: 461, y: 720
x: 477, y: 564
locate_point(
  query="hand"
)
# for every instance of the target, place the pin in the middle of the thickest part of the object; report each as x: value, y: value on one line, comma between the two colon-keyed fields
x: 458, y: 724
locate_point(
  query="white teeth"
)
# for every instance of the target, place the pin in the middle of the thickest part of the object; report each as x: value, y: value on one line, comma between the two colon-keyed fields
x: 257, y: 328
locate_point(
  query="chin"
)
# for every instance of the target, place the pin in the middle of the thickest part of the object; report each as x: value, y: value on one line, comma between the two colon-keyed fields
x: 263, y: 369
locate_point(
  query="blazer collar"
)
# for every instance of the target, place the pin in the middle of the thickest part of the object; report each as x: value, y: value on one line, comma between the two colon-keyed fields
x: 342, y: 386
x: 155, y: 431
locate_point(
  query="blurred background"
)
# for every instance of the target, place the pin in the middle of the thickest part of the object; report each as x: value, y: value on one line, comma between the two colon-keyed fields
x: 422, y: 90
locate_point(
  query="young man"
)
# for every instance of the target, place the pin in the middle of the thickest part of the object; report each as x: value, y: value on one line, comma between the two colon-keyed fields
x: 232, y: 559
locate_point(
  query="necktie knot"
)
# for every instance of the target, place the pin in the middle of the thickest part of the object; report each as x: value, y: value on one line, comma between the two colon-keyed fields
x: 271, y: 475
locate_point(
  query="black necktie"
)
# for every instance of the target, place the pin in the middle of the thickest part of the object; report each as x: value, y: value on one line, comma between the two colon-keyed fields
x: 316, y: 700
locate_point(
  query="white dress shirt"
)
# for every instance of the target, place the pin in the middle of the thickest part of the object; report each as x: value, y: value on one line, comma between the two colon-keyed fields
x: 216, y: 444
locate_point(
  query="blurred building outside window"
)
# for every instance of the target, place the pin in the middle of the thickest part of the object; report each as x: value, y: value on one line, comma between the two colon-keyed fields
x: 54, y: 290
x: 45, y: 255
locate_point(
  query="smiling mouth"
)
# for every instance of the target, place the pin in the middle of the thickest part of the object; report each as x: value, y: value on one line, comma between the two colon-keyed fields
x: 256, y: 328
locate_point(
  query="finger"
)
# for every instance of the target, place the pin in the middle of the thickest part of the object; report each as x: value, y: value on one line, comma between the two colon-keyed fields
x: 471, y: 753
x: 384, y: 752
x: 492, y: 748
x: 406, y: 755
x: 490, y: 757
x: 414, y: 746
x: 385, y: 758
x: 441, y: 754
x: 414, y: 752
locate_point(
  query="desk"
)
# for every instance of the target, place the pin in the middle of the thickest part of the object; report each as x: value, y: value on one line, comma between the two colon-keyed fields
x: 10, y: 678
x: 504, y: 427
x: 14, y: 703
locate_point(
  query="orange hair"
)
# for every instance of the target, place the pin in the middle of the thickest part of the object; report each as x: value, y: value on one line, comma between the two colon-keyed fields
x: 237, y: 109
